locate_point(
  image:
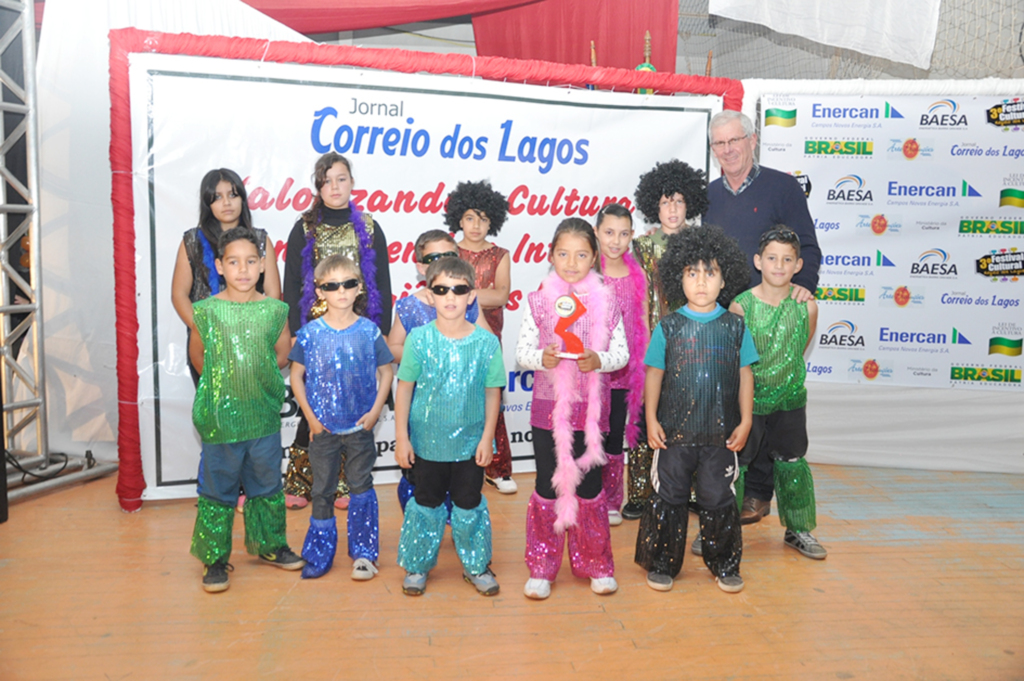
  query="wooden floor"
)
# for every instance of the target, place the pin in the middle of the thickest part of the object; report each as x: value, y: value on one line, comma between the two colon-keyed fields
x: 924, y: 580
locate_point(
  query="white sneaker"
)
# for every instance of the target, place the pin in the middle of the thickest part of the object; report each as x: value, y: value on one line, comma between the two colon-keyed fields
x: 537, y: 589
x: 504, y: 485
x: 614, y: 518
x: 604, y: 585
x: 363, y: 570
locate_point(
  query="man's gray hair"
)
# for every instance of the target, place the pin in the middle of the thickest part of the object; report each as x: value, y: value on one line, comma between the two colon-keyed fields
x: 724, y: 117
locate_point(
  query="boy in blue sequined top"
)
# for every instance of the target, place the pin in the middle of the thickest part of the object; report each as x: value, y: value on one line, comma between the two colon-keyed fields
x: 457, y: 371
x: 341, y: 374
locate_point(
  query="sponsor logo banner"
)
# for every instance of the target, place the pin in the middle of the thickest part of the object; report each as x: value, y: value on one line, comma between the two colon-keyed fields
x: 840, y: 294
x: 919, y: 216
x: 1002, y: 265
x: 1004, y: 376
x: 1008, y: 114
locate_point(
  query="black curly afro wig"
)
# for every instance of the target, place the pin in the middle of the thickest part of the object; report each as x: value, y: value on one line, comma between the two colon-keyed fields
x: 480, y: 197
x: 704, y: 244
x: 666, y: 179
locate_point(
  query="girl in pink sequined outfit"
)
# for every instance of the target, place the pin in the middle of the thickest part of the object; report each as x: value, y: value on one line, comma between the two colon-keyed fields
x: 570, y: 410
x: 628, y: 283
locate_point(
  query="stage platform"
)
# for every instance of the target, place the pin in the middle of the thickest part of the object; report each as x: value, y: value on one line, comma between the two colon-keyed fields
x: 923, y: 581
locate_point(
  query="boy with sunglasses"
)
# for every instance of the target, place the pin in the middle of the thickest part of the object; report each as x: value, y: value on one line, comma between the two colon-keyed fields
x: 416, y: 310
x: 341, y: 374
x: 447, y: 429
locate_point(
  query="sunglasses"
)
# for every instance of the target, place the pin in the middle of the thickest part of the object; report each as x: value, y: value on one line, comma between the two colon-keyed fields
x: 434, y: 257
x: 329, y: 286
x: 458, y: 289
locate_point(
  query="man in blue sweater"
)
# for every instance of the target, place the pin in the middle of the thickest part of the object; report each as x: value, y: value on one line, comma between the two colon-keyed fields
x: 747, y: 201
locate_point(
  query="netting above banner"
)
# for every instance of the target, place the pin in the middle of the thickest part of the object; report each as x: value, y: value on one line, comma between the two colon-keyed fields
x: 972, y: 40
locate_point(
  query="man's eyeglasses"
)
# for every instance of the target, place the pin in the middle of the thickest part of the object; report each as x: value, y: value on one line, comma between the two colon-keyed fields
x: 458, y: 289
x: 329, y: 286
x: 434, y: 257
x: 724, y: 144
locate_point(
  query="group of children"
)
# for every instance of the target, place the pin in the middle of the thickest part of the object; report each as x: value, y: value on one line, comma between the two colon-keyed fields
x: 658, y: 359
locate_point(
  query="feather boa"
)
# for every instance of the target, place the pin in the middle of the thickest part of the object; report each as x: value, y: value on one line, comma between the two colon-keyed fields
x: 367, y: 266
x: 212, y: 276
x: 569, y: 472
x: 637, y: 339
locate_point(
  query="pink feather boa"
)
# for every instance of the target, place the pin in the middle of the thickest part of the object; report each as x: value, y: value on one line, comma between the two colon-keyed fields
x: 569, y: 472
x: 637, y: 339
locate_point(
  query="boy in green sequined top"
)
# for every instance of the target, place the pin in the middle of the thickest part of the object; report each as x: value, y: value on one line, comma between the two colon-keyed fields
x: 241, y: 345
x: 782, y: 331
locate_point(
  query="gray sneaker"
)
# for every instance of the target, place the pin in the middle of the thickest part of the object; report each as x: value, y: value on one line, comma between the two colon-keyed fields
x: 697, y: 547
x: 732, y: 584
x: 484, y: 582
x: 805, y: 543
x: 414, y: 584
x: 659, y: 581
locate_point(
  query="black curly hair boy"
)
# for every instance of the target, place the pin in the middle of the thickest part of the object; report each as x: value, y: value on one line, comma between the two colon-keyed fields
x: 480, y: 197
x: 704, y: 244
x: 667, y: 179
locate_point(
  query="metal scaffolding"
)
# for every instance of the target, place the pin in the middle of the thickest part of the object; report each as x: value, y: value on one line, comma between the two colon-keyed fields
x: 29, y: 470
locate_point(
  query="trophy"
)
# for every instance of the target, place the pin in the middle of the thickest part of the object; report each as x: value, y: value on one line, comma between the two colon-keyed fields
x: 569, y: 309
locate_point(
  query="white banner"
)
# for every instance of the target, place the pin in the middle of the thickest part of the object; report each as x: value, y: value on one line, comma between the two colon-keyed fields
x: 900, y: 31
x: 919, y: 209
x: 555, y: 153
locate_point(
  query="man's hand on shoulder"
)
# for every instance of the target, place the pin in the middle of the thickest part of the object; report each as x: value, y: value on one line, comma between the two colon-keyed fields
x: 800, y: 294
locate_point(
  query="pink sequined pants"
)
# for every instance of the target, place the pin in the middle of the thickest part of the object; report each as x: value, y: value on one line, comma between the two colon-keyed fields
x: 611, y: 480
x: 590, y: 545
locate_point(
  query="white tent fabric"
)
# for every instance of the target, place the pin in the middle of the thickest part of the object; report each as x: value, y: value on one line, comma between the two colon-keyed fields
x: 899, y: 31
x: 77, y: 240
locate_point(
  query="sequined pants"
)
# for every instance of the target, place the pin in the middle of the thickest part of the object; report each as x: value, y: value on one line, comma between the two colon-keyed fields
x: 661, y: 538
x: 779, y: 436
x: 423, y: 529
x: 638, y: 468
x: 590, y: 545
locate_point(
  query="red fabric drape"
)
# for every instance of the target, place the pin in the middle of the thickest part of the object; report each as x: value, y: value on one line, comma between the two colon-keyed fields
x: 124, y: 41
x: 561, y: 31
x: 328, y: 16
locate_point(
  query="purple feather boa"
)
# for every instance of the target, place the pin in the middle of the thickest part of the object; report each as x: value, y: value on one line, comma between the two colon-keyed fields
x: 367, y: 265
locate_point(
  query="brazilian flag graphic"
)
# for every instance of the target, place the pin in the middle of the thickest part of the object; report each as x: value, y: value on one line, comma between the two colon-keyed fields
x: 1012, y: 197
x: 783, y: 117
x: 1004, y: 346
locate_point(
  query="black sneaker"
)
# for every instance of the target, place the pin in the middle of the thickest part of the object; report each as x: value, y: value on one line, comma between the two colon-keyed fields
x: 284, y: 558
x: 215, y: 577
x: 805, y: 543
x: 632, y: 510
